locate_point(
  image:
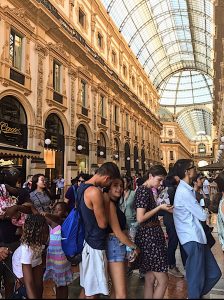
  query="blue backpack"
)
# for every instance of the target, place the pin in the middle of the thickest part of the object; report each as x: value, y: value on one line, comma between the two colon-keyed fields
x: 73, y: 231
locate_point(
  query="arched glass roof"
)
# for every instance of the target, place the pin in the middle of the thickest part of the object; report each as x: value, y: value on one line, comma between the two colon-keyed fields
x: 173, y: 40
x: 186, y: 87
x: 195, y: 122
x: 166, y: 35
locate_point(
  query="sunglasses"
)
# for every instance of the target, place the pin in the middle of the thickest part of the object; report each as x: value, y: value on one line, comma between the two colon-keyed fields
x: 81, y: 180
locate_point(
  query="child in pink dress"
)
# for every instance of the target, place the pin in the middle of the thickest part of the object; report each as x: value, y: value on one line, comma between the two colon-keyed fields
x: 58, y: 268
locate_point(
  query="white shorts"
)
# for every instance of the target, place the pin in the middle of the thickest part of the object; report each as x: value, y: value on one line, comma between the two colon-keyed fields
x: 93, y: 271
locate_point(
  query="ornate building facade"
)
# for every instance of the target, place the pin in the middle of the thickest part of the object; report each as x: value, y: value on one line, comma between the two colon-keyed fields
x: 218, y: 111
x: 72, y: 93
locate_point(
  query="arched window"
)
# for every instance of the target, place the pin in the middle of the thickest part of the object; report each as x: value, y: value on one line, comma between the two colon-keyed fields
x: 101, y: 146
x: 13, y: 122
x: 116, y: 149
x: 143, y: 160
x: 54, y: 132
x: 201, y: 148
x: 82, y: 140
x: 127, y: 159
x: 54, y: 159
x: 136, y: 160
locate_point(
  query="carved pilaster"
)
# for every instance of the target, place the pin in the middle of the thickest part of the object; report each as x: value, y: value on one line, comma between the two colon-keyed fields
x: 109, y: 42
x: 72, y: 106
x: 93, y: 23
x: 42, y: 52
x: 94, y: 98
x: 121, y: 57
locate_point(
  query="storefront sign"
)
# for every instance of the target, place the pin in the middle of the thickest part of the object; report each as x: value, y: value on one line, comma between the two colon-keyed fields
x: 5, y: 128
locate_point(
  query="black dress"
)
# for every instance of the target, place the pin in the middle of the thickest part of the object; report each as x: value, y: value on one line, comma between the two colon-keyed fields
x: 150, y: 239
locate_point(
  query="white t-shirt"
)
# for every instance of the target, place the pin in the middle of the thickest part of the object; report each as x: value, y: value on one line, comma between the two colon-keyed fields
x: 24, y: 255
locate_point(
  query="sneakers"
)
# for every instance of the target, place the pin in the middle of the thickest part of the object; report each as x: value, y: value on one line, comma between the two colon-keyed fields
x: 175, y: 272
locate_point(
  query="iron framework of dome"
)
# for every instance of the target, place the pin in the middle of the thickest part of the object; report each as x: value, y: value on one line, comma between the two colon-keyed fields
x: 170, y: 38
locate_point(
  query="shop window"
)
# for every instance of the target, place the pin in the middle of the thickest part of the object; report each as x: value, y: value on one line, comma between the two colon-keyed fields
x: 100, y: 40
x: 15, y: 50
x: 13, y: 122
x: 83, y: 93
x: 54, y: 151
x: 116, y: 149
x: 82, y: 18
x: 82, y: 140
x: 136, y: 160
x: 143, y: 160
x: 101, y: 146
x: 127, y: 159
x: 135, y: 127
x: 143, y: 134
x: 57, y: 77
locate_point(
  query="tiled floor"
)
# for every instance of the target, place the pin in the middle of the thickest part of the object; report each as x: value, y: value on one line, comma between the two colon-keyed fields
x: 176, y: 287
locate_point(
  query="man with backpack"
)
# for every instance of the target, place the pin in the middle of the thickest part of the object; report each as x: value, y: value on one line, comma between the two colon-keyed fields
x: 94, y: 212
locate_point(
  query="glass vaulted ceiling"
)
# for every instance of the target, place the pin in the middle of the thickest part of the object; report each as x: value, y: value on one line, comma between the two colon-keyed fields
x: 172, y: 39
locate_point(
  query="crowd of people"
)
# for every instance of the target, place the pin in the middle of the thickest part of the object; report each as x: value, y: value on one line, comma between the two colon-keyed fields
x: 123, y: 220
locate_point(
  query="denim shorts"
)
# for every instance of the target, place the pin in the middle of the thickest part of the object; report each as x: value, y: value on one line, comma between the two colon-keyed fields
x: 116, y: 251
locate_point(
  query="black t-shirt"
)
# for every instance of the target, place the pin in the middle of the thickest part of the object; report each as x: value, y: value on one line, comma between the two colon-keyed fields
x: 7, y: 229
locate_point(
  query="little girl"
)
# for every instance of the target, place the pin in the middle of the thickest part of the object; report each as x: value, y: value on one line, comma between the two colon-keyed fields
x: 58, y: 268
x: 26, y: 260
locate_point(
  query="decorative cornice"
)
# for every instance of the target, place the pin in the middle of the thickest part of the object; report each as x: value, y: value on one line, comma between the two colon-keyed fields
x: 72, y: 71
x: 104, y: 87
x: 19, y: 15
x: 85, y: 72
x: 59, y: 49
x: 41, y: 49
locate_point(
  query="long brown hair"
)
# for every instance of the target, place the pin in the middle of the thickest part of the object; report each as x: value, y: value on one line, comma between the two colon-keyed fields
x: 33, y: 232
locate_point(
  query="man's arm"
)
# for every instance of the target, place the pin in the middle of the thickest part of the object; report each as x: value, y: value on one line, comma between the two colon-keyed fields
x: 192, y: 205
x: 94, y: 198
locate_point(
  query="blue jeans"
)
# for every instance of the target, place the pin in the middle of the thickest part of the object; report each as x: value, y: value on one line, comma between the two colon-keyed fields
x: 202, y: 270
x: 115, y: 251
x: 173, y: 243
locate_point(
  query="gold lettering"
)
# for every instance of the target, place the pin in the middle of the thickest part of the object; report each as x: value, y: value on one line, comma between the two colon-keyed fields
x: 4, y: 127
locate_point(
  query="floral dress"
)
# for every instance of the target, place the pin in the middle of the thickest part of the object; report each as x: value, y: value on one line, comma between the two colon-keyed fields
x: 150, y: 239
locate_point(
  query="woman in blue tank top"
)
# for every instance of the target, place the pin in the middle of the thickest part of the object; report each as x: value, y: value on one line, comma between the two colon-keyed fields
x: 117, y: 241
